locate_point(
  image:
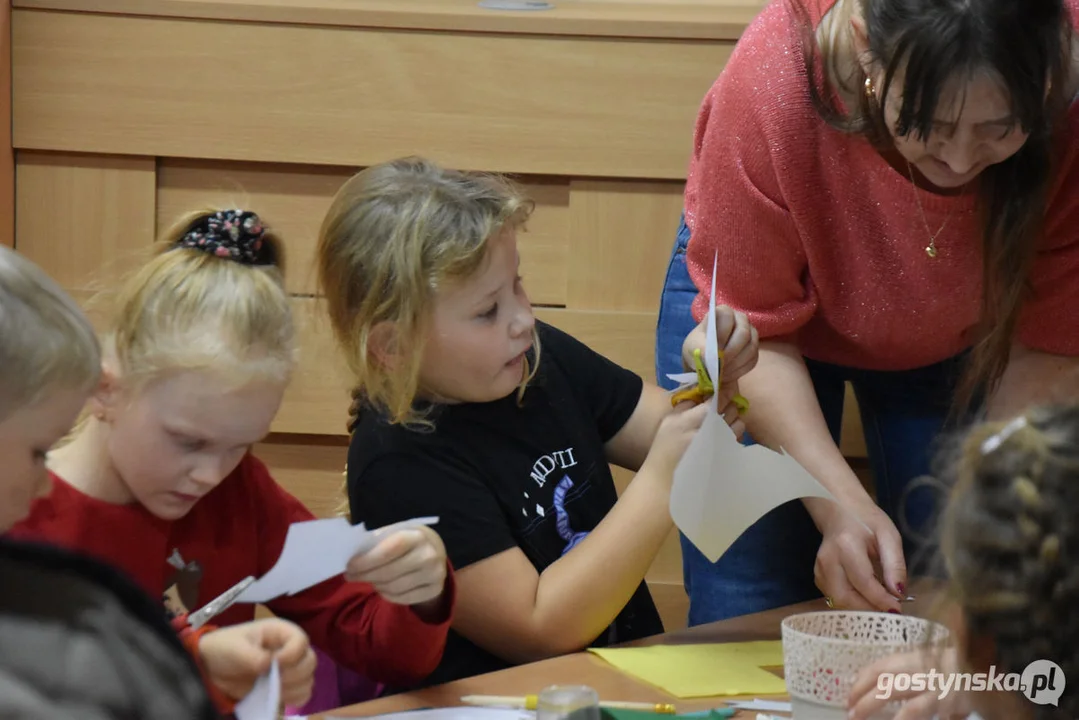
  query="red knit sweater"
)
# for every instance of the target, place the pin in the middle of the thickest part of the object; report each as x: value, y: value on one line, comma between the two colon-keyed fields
x: 237, y: 530
x: 820, y: 239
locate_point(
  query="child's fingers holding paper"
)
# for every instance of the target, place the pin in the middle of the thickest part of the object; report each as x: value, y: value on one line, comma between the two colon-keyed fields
x: 298, y: 677
x: 416, y: 587
x: 390, y: 548
x: 419, y: 576
x: 292, y: 649
x: 397, y: 554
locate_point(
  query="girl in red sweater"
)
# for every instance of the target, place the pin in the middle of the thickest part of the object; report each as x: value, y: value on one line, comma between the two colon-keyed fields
x: 52, y: 362
x: 160, y: 481
x: 892, y: 190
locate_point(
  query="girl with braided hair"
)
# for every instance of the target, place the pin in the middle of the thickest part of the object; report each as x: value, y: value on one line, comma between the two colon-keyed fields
x: 1010, y: 540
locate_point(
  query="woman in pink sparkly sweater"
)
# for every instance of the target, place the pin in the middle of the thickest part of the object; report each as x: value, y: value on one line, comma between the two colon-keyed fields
x: 908, y: 222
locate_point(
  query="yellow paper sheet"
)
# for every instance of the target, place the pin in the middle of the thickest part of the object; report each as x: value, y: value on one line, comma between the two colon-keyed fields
x: 690, y: 671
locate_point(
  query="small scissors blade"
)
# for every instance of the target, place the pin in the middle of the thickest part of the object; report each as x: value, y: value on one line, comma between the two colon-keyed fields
x: 219, y: 604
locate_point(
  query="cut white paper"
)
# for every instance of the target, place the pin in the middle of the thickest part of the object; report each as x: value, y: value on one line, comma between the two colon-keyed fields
x: 263, y: 700
x: 721, y: 487
x: 686, y: 378
x: 315, y: 551
x: 758, y: 704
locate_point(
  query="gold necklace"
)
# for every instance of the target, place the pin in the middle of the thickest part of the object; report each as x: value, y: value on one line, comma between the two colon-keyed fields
x: 931, y: 248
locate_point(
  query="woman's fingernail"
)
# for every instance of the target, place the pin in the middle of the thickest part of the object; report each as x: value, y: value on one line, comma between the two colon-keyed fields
x: 901, y: 588
x: 894, y: 611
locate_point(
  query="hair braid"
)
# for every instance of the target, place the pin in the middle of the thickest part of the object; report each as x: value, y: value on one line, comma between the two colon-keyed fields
x: 1012, y: 541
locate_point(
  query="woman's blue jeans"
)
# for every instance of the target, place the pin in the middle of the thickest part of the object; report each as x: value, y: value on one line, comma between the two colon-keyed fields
x: 771, y: 564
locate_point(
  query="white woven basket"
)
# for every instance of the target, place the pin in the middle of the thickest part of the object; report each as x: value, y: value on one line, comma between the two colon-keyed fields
x: 824, y: 651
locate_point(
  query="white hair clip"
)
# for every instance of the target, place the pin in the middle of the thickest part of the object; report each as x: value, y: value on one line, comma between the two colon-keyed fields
x: 995, y: 441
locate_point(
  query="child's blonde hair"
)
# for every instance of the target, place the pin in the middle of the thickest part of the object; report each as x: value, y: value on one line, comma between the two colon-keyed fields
x: 1010, y: 541
x: 395, y: 234
x: 46, y: 342
x: 212, y: 298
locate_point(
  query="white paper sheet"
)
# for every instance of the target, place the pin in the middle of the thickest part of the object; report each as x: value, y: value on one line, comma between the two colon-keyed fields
x: 264, y: 699
x: 758, y: 704
x: 721, y: 487
x: 315, y: 551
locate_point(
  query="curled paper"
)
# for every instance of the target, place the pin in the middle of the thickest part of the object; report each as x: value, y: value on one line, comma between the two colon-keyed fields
x: 722, y: 487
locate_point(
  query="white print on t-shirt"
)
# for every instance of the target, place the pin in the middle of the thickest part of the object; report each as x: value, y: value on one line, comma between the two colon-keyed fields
x: 541, y: 471
x: 559, y: 459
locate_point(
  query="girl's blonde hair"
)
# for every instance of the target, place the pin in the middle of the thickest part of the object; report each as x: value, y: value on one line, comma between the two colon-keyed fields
x: 46, y: 342
x: 1010, y: 541
x: 395, y: 234
x: 212, y: 298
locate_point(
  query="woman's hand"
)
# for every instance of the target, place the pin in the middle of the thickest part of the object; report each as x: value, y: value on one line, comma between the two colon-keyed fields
x: 873, y: 689
x: 737, y: 340
x: 852, y: 559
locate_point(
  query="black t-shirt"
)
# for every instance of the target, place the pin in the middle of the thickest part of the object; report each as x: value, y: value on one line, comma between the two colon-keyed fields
x: 503, y: 474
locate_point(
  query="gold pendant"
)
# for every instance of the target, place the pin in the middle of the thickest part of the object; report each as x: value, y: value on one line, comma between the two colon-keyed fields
x: 931, y: 250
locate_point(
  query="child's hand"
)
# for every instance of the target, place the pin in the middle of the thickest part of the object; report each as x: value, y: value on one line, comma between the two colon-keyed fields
x: 872, y: 683
x: 675, y: 432
x: 235, y: 657
x: 407, y: 567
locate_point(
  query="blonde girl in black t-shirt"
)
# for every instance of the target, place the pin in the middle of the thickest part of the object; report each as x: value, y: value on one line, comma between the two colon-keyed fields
x: 468, y: 408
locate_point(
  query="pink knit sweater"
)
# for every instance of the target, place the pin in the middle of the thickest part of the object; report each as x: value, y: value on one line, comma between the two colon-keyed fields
x: 820, y: 239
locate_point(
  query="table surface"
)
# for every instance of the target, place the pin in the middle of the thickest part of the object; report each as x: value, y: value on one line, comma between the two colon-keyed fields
x: 611, y: 684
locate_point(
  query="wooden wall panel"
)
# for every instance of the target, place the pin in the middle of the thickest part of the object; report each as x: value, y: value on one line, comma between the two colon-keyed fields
x: 84, y: 218
x: 317, y: 399
x: 544, y: 245
x: 7, y: 155
x: 310, y: 467
x: 623, y: 234
x: 562, y: 106
x: 294, y: 199
x: 627, y: 338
